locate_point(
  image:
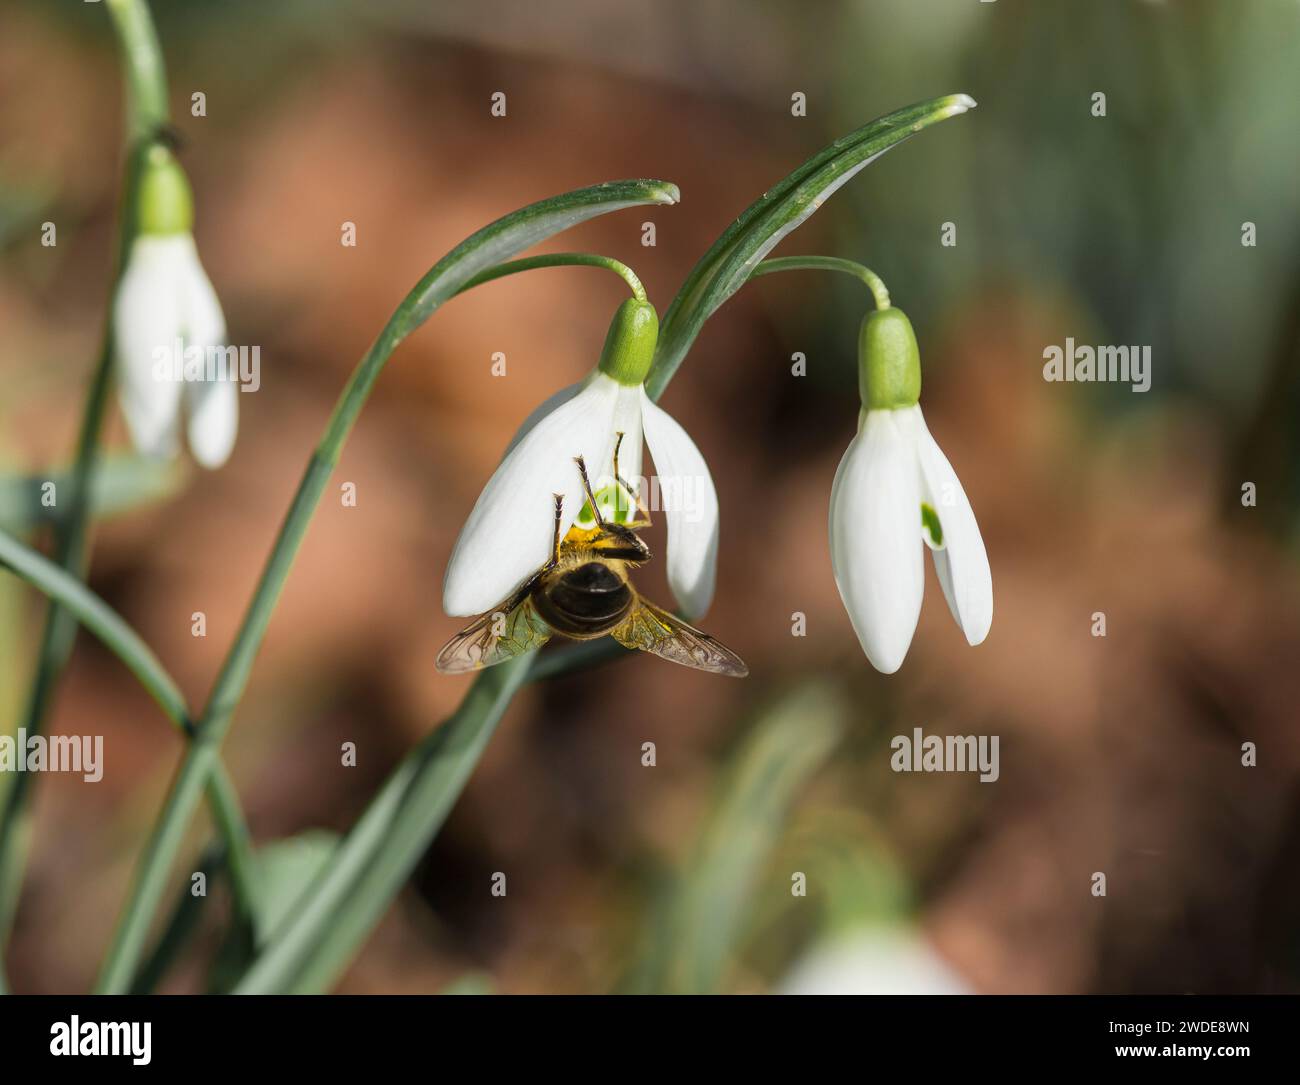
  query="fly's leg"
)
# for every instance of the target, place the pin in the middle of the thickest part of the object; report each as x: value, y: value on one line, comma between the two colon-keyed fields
x: 559, y: 519
x: 591, y: 498
x: 643, y: 513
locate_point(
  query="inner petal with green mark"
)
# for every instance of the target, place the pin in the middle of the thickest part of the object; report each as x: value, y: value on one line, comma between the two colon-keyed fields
x: 615, y: 505
x: 931, y: 528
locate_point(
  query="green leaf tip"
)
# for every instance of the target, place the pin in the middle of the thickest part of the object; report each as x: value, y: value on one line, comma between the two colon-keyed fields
x: 782, y: 208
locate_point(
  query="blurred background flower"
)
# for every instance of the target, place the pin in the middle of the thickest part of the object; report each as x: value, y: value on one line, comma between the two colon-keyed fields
x: 1120, y: 755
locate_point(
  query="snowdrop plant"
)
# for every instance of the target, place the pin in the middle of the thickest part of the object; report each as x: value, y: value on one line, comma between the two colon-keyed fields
x: 168, y: 323
x: 164, y: 294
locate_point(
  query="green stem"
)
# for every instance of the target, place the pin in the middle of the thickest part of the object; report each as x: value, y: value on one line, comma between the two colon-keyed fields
x: 84, y: 606
x: 146, y: 77
x: 828, y: 263
x: 351, y: 896
x: 146, y: 110
x: 479, y: 252
x: 561, y: 259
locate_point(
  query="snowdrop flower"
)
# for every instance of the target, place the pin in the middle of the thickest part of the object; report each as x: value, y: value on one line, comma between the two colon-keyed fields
x: 167, y: 325
x: 509, y: 533
x: 894, y: 495
x: 875, y: 960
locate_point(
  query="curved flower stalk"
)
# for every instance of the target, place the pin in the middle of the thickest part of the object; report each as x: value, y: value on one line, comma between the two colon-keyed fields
x: 510, y: 532
x: 168, y: 327
x: 894, y: 494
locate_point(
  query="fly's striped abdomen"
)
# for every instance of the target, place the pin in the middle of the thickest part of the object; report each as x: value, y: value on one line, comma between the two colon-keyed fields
x: 583, y: 602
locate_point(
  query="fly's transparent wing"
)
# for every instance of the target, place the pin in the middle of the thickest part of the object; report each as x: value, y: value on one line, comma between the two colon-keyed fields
x: 654, y: 630
x: 512, y: 629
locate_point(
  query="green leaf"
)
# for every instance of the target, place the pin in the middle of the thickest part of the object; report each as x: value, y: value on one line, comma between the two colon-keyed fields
x: 98, y: 617
x: 120, y: 483
x: 124, y: 642
x: 181, y: 926
x: 521, y: 230
x: 309, y: 952
x: 725, y: 268
x: 697, y: 921
x: 284, y: 870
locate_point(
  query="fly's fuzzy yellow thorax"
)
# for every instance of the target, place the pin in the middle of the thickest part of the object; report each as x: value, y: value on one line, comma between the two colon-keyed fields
x: 579, y: 536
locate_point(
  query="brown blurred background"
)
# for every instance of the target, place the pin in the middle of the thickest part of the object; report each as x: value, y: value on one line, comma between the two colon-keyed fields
x: 1120, y: 755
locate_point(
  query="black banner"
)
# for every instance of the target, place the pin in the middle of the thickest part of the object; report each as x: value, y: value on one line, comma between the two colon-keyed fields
x: 337, y: 1034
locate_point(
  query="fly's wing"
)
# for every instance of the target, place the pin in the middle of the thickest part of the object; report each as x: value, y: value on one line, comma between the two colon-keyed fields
x: 654, y: 630
x: 510, y: 630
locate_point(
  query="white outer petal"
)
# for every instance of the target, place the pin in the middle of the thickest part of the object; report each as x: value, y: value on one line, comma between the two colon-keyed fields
x: 963, y: 563
x: 213, y: 406
x: 547, y: 406
x: 205, y: 323
x: 875, y: 537
x: 510, y: 531
x: 149, y: 316
x: 875, y: 961
x: 690, y: 505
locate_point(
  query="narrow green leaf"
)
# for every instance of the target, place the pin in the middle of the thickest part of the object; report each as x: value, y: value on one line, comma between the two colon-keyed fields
x: 765, y: 223
x: 101, y: 619
x: 284, y: 872
x: 699, y: 919
x: 124, y: 642
x: 120, y: 483
x: 309, y: 952
x: 521, y: 230
x: 181, y: 926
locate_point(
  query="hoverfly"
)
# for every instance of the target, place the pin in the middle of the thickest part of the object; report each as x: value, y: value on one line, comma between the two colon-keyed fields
x: 584, y: 592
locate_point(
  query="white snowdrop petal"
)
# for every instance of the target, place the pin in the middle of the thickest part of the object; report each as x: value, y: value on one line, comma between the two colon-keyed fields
x: 510, y: 532
x: 205, y: 323
x: 547, y: 406
x: 148, y: 314
x: 213, y: 410
x: 962, y: 564
x: 690, y: 505
x: 875, y: 550
x: 875, y: 961
x: 212, y: 403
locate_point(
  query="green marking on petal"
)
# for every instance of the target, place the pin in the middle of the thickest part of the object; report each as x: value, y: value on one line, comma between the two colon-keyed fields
x: 615, y: 506
x: 931, y: 528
